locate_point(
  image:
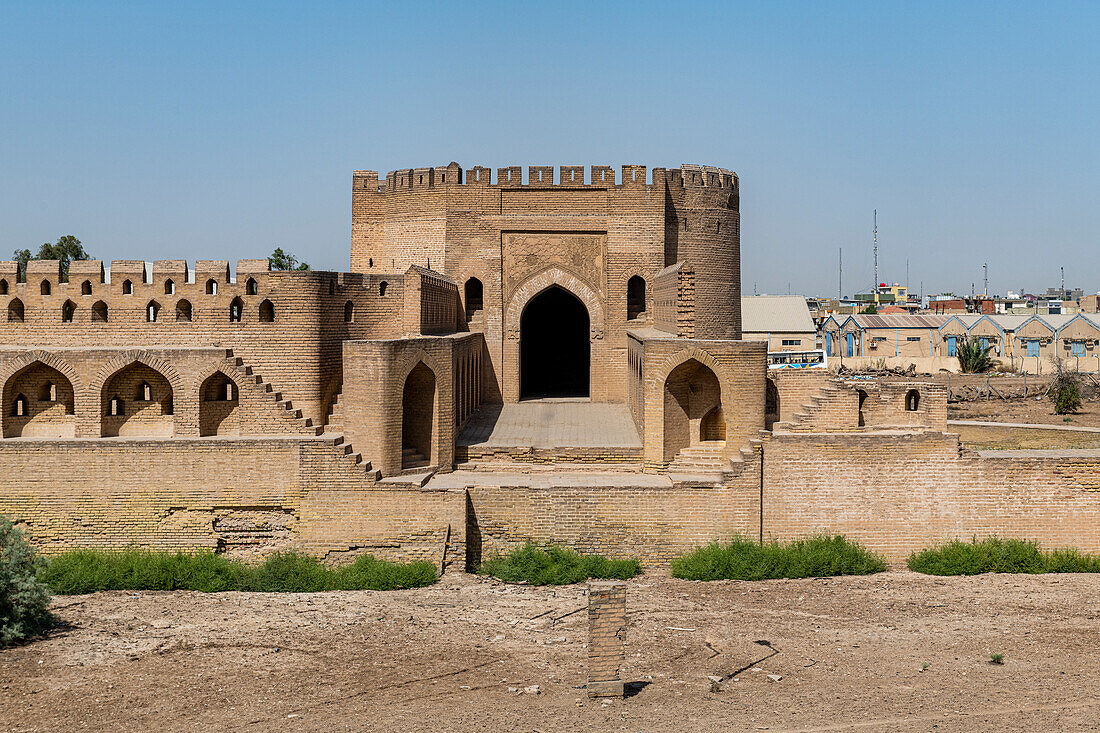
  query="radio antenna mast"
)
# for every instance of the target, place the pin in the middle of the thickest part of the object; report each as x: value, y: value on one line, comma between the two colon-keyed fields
x: 876, y: 250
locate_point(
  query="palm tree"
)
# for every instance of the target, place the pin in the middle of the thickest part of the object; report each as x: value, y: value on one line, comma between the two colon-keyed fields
x: 973, y: 357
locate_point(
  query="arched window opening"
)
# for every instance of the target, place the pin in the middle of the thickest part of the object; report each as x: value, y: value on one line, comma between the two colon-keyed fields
x: 267, y: 312
x: 41, y: 402
x: 554, y: 346
x: 150, y: 415
x: 370, y: 262
x: 382, y: 287
x: 475, y: 299
x: 183, y: 311
x: 211, y: 287
x: 3, y: 287
x: 152, y: 311
x: 169, y: 287
x: 127, y: 287
x: 250, y: 287
x: 15, y: 311
x: 236, y: 310
x: 349, y: 312
x: 67, y: 311
x: 86, y: 287
x: 862, y: 401
x: 692, y: 402
x: 218, y: 401
x: 771, y: 404
x: 99, y: 312
x: 45, y: 287
x: 912, y: 400
x: 418, y: 417
x: 635, y: 298
x: 332, y: 287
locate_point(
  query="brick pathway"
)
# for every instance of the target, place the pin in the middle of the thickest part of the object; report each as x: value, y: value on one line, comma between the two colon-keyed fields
x: 552, y: 425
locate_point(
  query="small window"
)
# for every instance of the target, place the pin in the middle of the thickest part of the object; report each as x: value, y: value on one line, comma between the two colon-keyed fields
x: 349, y: 312
x: 48, y: 392
x: 45, y: 288
x: 15, y: 311
x: 144, y: 392
x: 99, y: 312
x: 267, y: 312
x: 3, y: 287
x: 370, y: 263
x: 86, y: 287
x: 910, y: 339
x: 475, y: 299
x: 127, y: 287
x: 792, y: 342
x: 211, y: 287
x: 114, y: 407
x: 912, y: 400
x: 250, y: 287
x: 152, y: 311
x: 635, y: 298
x: 19, y: 407
x: 169, y: 287
x: 183, y: 311
x: 382, y: 287
x: 229, y: 394
x: 236, y: 310
x: 67, y: 311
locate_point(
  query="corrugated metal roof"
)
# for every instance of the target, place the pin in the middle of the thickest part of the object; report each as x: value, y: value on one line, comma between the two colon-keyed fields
x: 900, y: 321
x: 776, y: 314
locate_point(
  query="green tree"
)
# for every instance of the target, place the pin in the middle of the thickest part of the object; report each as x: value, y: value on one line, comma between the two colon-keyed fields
x: 870, y: 310
x: 973, y: 357
x: 66, y: 250
x: 280, y: 260
x: 1064, y: 390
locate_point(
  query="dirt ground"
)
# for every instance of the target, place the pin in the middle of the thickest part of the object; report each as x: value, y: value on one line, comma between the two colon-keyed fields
x: 1034, y: 411
x: 895, y: 651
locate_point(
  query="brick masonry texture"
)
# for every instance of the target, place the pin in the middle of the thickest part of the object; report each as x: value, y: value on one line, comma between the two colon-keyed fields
x: 183, y: 407
x: 606, y: 628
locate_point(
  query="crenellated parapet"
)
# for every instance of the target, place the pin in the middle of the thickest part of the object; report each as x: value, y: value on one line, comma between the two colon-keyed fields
x: 543, y: 176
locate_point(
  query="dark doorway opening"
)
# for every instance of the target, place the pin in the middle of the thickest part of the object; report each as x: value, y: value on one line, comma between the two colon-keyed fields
x: 417, y: 417
x: 554, y: 350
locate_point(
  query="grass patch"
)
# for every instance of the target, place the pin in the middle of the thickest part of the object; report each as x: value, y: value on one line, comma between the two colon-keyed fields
x: 555, y: 566
x: 745, y: 559
x: 997, y: 555
x: 88, y: 571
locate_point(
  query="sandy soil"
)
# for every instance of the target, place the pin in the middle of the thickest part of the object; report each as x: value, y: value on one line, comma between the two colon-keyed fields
x: 1035, y: 411
x: 896, y: 651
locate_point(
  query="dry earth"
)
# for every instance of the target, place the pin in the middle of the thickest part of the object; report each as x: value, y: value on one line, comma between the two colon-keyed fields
x: 896, y: 651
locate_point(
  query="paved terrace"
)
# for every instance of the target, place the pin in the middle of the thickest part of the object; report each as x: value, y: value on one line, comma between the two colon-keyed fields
x: 551, y: 424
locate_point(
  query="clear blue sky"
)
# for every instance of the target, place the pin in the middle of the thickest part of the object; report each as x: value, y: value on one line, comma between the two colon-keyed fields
x: 157, y: 130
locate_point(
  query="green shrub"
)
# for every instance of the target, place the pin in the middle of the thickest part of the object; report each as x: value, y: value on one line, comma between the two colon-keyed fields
x: 997, y: 555
x: 746, y: 559
x: 24, y: 600
x: 555, y: 566
x: 87, y: 571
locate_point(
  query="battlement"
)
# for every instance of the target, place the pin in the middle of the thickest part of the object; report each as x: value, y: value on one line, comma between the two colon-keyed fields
x: 543, y: 176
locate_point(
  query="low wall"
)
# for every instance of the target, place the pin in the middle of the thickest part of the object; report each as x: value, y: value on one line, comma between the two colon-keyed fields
x: 923, y: 364
x: 901, y: 492
x: 246, y: 497
x: 639, y: 516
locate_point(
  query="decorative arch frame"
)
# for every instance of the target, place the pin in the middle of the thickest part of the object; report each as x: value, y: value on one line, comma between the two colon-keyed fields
x: 439, y: 368
x: 51, y: 360
x: 544, y: 280
x: 117, y: 363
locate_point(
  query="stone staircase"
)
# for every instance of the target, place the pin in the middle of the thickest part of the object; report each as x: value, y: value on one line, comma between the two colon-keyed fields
x: 300, y: 424
x: 700, y: 463
x: 412, y: 458
x: 819, y: 413
x: 334, y: 422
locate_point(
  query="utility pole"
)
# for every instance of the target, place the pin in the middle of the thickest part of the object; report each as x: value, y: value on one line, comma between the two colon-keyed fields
x: 985, y: 279
x: 840, y: 277
x: 1063, y: 283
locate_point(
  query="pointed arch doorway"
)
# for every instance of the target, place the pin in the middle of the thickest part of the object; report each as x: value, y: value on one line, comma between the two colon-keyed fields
x: 554, y: 347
